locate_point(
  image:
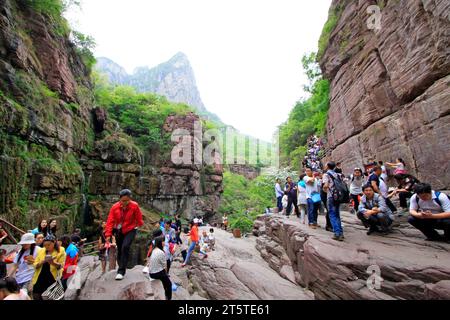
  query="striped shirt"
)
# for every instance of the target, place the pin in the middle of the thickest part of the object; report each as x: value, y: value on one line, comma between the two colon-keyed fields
x: 157, y: 261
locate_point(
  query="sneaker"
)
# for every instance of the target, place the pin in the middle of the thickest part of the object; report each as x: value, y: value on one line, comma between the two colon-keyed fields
x: 371, y: 230
x: 119, y: 276
x: 183, y: 265
x: 329, y: 229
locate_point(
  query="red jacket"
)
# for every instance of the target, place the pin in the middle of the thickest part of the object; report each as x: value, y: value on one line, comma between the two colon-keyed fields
x: 131, y: 219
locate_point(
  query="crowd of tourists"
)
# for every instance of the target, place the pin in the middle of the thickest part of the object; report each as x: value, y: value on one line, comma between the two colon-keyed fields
x: 42, y: 262
x: 368, y: 196
x: 45, y: 264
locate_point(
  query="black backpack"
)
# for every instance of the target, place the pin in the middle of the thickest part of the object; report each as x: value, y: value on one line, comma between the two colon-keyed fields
x: 340, y: 191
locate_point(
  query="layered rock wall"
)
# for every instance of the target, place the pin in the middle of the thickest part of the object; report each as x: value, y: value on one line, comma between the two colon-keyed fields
x: 390, y: 88
x: 60, y: 155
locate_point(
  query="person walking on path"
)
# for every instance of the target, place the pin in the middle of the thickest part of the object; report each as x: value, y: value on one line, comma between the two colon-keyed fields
x: 329, y: 186
x: 302, y: 198
x: 356, y: 187
x: 279, y: 195
x: 126, y: 217
x: 193, y: 233
x: 291, y: 188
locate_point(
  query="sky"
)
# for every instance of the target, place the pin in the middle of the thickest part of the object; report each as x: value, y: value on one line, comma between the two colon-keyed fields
x: 246, y: 54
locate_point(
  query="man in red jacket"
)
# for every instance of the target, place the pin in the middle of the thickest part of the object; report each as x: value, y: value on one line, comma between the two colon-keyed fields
x: 125, y: 217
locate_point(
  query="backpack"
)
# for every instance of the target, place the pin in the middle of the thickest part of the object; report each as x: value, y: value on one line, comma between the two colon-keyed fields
x: 437, y: 193
x: 340, y: 192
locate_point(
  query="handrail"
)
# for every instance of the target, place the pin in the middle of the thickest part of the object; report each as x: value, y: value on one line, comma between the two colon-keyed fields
x: 12, y: 226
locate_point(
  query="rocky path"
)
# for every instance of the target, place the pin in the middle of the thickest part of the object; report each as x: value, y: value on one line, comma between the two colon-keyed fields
x: 410, y: 267
x: 235, y: 270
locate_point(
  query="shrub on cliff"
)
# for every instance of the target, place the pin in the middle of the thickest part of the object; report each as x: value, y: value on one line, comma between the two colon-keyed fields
x: 308, y: 117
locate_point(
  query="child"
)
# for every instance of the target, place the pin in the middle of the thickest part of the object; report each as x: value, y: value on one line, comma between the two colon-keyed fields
x: 104, y: 247
x: 2, y: 264
x: 212, y: 239
x: 204, y: 244
x: 284, y: 201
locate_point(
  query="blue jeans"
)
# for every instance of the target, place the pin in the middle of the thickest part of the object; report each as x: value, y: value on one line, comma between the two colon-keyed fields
x: 190, y: 250
x: 313, y: 209
x: 279, y: 204
x: 335, y: 217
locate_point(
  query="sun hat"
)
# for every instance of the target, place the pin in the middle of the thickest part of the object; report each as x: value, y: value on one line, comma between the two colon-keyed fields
x: 27, y: 238
x: 196, y: 220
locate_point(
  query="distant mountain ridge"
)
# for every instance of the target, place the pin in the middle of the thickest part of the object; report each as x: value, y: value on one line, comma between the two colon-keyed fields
x: 173, y: 79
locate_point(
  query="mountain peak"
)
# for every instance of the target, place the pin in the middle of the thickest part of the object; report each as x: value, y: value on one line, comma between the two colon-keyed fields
x: 174, y: 79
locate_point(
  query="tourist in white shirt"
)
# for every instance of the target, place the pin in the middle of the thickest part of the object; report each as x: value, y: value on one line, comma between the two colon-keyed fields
x: 158, y: 265
x: 312, y: 189
x: 302, y: 198
x: 430, y: 211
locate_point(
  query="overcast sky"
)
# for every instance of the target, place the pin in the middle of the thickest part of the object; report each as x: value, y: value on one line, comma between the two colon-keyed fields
x: 246, y: 54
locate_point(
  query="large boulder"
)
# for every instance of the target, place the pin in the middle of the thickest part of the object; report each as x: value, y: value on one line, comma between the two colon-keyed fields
x: 235, y: 271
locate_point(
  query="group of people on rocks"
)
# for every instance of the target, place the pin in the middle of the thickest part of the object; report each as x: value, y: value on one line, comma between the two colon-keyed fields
x: 44, y: 258
x: 369, y: 197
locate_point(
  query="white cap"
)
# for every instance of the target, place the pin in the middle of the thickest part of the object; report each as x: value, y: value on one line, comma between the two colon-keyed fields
x: 196, y: 220
x: 27, y: 238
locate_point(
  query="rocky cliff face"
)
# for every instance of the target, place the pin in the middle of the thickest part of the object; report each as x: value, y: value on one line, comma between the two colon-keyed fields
x: 61, y: 157
x: 173, y: 79
x: 390, y: 93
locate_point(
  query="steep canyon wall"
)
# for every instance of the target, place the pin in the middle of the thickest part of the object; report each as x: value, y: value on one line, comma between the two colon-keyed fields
x: 390, y: 88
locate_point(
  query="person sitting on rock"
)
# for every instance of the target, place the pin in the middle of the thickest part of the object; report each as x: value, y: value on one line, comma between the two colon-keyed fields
x: 373, y: 211
x: 158, y: 266
x: 430, y: 211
